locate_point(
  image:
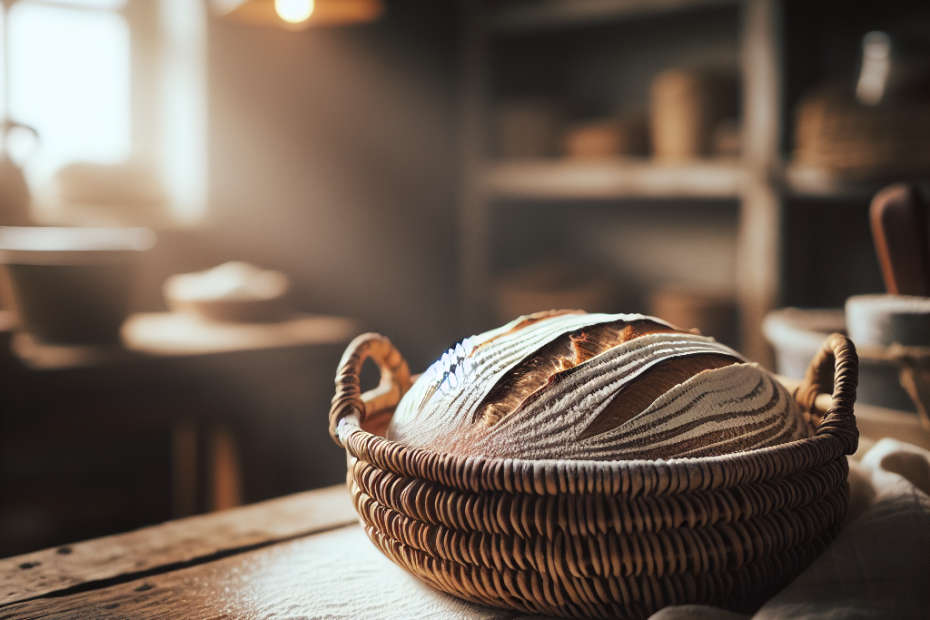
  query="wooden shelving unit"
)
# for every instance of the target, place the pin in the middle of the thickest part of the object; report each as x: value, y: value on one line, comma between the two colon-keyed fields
x: 753, y: 180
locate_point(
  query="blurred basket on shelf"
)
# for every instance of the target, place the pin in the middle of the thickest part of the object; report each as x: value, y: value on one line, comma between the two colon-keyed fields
x: 601, y: 539
x: 852, y: 142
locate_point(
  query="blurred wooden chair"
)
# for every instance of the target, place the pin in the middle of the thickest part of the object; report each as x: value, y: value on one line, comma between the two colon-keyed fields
x: 902, y: 239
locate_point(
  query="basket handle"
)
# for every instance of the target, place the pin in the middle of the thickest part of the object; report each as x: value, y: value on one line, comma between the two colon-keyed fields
x: 835, y: 367
x: 395, y: 381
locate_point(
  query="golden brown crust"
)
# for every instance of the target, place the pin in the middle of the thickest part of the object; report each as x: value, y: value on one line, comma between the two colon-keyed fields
x: 566, y: 352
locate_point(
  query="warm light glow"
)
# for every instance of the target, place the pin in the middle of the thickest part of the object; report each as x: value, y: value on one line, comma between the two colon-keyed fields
x: 294, y: 11
x: 296, y: 15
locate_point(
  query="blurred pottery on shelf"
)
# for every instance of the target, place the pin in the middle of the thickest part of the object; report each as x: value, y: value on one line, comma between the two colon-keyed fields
x: 232, y: 292
x: 72, y: 285
x: 606, y: 137
x: 685, y: 107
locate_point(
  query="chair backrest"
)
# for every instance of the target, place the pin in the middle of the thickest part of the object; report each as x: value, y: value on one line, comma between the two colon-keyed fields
x: 900, y: 229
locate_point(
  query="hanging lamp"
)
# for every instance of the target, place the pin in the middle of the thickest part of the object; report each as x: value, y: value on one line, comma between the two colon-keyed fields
x: 299, y: 14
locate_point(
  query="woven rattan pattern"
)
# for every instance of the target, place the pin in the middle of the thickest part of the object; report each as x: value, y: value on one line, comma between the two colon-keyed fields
x: 603, y: 539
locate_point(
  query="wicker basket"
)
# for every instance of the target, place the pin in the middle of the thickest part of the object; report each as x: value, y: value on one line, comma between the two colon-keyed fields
x: 615, y: 539
x: 858, y: 143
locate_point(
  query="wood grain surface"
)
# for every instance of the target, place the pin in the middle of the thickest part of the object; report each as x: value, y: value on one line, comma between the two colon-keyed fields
x: 335, y: 575
x: 171, y: 544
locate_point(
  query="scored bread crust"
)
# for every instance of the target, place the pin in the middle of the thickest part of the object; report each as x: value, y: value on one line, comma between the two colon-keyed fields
x: 570, y: 385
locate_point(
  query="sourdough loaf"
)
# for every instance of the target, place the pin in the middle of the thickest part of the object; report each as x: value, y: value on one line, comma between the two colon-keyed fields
x: 572, y: 385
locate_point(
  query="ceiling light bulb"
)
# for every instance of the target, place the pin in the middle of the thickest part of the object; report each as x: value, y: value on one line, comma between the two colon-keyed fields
x: 294, y: 11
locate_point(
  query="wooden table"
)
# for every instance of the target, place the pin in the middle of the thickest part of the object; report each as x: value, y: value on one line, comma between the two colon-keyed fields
x: 302, y: 556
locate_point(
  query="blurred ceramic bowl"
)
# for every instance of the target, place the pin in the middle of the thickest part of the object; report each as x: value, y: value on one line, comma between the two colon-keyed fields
x: 72, y: 285
x: 232, y: 292
x: 798, y: 332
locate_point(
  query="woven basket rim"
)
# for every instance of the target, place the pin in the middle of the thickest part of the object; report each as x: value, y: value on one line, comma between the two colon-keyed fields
x: 542, y: 476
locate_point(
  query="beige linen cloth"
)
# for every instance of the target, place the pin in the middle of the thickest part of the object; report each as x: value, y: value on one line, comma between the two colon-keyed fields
x: 878, y: 568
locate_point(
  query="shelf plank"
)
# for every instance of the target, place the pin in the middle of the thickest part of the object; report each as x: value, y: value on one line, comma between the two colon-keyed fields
x: 563, y: 14
x: 612, y: 179
x: 806, y: 182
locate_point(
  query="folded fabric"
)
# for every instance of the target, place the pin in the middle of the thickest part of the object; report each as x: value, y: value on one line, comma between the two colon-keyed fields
x: 879, y: 566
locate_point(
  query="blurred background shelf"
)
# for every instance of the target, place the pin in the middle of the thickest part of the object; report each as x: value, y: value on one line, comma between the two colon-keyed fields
x: 586, y: 71
x: 566, y: 141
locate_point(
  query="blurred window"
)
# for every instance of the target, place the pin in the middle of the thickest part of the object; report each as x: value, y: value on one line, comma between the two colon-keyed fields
x: 69, y: 78
x: 109, y: 82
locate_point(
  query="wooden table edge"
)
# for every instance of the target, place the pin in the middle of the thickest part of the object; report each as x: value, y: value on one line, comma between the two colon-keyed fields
x: 165, y: 546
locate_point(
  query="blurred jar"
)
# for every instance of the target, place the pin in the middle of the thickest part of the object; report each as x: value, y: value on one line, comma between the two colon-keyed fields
x: 685, y: 108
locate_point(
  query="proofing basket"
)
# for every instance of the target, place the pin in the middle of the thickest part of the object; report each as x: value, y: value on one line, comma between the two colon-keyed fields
x: 601, y: 539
